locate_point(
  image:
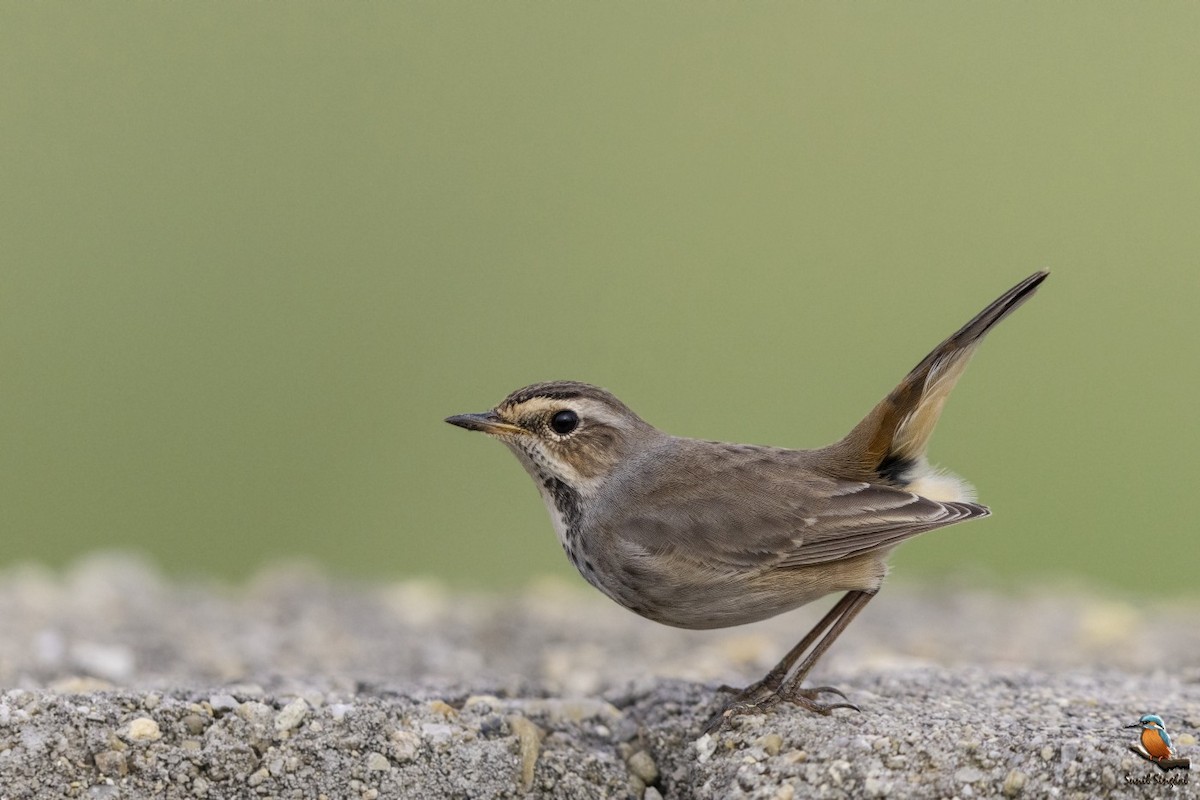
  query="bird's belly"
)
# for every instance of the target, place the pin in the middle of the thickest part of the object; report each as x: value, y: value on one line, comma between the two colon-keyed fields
x: 694, y: 598
x: 713, y: 608
x: 1154, y: 744
x: 682, y: 591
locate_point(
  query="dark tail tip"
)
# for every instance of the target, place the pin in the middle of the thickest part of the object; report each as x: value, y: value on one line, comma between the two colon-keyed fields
x: 998, y: 309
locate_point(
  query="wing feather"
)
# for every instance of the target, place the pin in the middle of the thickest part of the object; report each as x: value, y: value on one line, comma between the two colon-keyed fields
x: 745, y: 507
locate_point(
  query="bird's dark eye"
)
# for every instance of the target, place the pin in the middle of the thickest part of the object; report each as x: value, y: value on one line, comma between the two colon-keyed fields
x: 564, y: 422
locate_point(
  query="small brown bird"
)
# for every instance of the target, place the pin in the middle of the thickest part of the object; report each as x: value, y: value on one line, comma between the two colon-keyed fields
x: 700, y: 534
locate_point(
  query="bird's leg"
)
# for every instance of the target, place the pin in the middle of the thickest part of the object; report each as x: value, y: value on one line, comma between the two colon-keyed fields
x: 791, y: 691
x: 775, y: 686
x: 771, y: 682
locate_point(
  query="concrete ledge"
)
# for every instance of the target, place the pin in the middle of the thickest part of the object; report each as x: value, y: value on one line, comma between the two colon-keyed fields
x: 119, y: 684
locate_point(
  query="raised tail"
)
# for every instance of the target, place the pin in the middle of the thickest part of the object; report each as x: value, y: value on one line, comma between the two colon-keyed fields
x: 889, y: 444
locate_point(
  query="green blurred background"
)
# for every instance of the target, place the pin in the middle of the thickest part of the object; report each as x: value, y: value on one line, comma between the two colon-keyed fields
x: 252, y: 254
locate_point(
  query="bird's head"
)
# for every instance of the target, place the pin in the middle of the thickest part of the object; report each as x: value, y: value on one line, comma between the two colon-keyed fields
x: 1149, y: 722
x: 574, y: 432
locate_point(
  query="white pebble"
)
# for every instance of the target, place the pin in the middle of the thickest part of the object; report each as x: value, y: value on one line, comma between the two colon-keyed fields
x: 143, y: 729
x: 291, y: 716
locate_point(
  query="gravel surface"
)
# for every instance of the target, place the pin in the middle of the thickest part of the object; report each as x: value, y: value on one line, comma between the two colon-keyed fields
x: 118, y: 683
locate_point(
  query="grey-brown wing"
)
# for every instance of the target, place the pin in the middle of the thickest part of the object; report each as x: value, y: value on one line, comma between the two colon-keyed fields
x: 751, y: 507
x: 858, y: 518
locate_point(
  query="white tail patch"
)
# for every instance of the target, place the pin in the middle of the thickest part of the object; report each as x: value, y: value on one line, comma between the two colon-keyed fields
x: 940, y: 485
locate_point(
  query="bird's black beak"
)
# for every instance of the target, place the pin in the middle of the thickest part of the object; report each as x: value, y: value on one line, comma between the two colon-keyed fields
x: 487, y: 422
x: 1134, y: 725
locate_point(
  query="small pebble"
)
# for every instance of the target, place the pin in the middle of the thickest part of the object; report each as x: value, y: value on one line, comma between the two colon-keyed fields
x: 795, y: 757
x: 223, y: 702
x: 771, y: 743
x: 838, y: 770
x: 876, y: 787
x: 1014, y: 782
x: 290, y: 717
x: 377, y: 762
x: 255, y: 712
x: 111, y: 763
x: 405, y: 745
x: 443, y: 708
x: 143, y: 729
x: 643, y: 766
x: 195, y: 724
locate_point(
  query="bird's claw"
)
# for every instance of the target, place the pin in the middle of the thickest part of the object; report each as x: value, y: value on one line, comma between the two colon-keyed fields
x: 817, y: 690
x: 758, y: 699
x: 807, y: 698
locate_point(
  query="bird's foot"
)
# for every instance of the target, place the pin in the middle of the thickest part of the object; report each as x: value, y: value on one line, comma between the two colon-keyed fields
x: 807, y: 698
x: 760, y: 699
